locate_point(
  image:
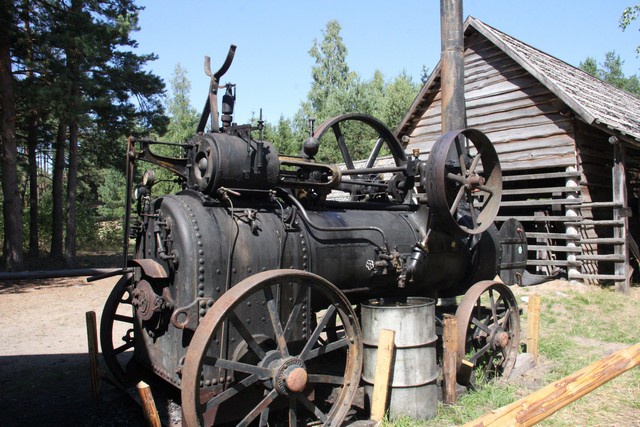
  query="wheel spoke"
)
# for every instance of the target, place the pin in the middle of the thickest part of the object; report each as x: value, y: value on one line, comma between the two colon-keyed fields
x: 481, y: 325
x: 494, y: 314
x: 275, y: 322
x: 123, y: 318
x: 293, y: 416
x: 325, y: 379
x: 479, y: 353
x: 374, y: 153
x: 237, y: 366
x: 246, y: 335
x: 311, y: 407
x: 316, y: 333
x: 456, y: 201
x: 322, y: 350
x: 346, y: 156
x: 229, y: 393
x: 264, y: 404
x: 123, y: 347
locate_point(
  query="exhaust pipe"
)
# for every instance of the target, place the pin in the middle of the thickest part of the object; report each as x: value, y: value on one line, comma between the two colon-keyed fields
x: 454, y: 115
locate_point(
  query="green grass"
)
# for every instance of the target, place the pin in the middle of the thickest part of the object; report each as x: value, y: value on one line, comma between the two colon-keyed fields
x: 579, y: 325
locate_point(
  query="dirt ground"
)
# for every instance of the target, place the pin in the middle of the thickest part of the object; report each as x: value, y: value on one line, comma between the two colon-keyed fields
x: 44, y: 365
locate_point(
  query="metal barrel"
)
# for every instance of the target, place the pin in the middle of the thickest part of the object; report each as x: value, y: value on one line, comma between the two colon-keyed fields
x: 414, y: 375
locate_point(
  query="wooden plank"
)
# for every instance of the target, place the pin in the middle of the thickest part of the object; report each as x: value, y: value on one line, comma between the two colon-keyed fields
x: 384, y: 361
x: 541, y: 202
x: 92, y: 340
x: 554, y: 248
x: 613, y: 223
x: 526, y: 218
x: 548, y: 175
x: 609, y: 257
x: 533, y: 326
x: 553, y: 236
x: 597, y: 205
x: 596, y: 276
x: 602, y: 241
x: 552, y: 262
x: 543, y: 403
x: 541, y: 190
x: 148, y: 405
x: 450, y: 358
x: 619, y: 189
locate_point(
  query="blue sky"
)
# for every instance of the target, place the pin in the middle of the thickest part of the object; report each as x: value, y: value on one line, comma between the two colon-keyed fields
x: 272, y: 67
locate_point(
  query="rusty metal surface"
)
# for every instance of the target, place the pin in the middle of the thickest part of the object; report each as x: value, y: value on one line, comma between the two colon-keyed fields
x: 464, y: 181
x: 282, y: 369
x: 453, y: 113
x: 489, y: 328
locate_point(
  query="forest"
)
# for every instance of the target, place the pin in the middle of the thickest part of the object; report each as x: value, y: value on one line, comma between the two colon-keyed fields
x: 72, y: 90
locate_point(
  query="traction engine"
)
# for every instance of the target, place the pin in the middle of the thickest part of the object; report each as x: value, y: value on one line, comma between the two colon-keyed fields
x: 244, y: 288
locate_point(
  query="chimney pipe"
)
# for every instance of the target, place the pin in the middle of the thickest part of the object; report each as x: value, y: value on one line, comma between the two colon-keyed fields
x: 454, y: 115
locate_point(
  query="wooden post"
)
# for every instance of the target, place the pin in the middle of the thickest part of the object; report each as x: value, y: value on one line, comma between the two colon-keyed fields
x: 533, y: 326
x: 449, y: 359
x: 545, y: 402
x: 148, y: 405
x: 92, y: 340
x: 619, y: 188
x: 384, y: 361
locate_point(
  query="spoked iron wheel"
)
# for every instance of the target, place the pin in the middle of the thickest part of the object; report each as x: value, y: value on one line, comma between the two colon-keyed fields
x: 489, y: 329
x: 117, y: 328
x: 263, y: 354
x: 464, y: 181
x: 361, y: 139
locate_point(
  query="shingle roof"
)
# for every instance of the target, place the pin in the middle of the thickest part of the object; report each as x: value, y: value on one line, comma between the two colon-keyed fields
x: 595, y: 101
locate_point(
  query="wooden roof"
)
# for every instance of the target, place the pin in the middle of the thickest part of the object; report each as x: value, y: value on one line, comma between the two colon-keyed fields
x: 597, y: 103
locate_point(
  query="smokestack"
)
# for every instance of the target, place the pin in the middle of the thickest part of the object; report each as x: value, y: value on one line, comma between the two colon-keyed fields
x: 454, y: 115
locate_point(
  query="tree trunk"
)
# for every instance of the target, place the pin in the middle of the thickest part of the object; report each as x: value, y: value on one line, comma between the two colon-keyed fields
x: 72, y: 185
x: 57, y: 219
x: 32, y: 143
x: 12, y: 208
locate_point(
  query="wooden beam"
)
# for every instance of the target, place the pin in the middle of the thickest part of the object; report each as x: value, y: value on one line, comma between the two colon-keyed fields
x: 533, y: 326
x: 92, y: 339
x: 148, y: 405
x: 545, y: 402
x: 384, y: 361
x: 450, y: 358
x: 619, y: 189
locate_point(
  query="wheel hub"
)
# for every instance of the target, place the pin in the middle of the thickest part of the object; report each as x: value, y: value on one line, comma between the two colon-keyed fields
x: 290, y: 377
x: 499, y: 338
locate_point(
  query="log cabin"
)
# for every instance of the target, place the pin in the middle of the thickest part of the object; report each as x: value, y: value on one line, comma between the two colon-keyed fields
x: 569, y: 146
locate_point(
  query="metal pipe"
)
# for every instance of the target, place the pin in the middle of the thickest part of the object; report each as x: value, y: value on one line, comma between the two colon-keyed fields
x: 452, y: 66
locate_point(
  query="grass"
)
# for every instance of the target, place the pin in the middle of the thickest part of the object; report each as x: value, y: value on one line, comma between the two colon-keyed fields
x: 579, y: 325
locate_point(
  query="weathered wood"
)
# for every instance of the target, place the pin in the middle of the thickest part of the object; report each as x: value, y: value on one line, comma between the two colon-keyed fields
x: 384, y: 360
x: 555, y: 396
x: 539, y: 190
x: 92, y: 340
x: 533, y: 176
x: 559, y: 236
x: 596, y: 276
x: 619, y: 185
x: 450, y: 358
x: 541, y: 202
x: 148, y: 405
x: 533, y: 326
x: 524, y: 218
x: 554, y: 248
x: 602, y: 241
x: 50, y: 274
x: 614, y: 223
x: 551, y: 262
x: 609, y: 257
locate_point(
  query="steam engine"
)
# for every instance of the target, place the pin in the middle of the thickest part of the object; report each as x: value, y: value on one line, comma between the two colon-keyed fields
x: 244, y: 286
